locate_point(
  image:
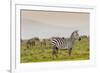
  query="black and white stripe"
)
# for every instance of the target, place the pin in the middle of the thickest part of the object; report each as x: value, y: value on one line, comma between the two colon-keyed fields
x: 64, y: 43
x: 61, y: 43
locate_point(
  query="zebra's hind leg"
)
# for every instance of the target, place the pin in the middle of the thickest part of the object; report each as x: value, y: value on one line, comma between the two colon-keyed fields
x: 56, y: 52
x: 69, y: 51
x: 53, y: 52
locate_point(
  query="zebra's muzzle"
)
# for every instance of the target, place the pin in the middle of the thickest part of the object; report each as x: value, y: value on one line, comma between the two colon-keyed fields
x: 79, y: 39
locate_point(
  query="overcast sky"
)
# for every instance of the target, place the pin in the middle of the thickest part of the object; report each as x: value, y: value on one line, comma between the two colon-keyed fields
x: 45, y: 24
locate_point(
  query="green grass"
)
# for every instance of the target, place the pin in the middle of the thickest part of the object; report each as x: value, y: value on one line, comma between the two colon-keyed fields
x: 44, y: 53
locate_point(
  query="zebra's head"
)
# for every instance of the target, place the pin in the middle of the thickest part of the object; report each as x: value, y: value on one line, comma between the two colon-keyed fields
x: 75, y: 35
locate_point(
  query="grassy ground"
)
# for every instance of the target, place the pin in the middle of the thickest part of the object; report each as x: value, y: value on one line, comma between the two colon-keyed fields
x: 44, y: 53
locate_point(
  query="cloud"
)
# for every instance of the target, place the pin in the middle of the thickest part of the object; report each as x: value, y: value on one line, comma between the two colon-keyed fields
x: 47, y: 24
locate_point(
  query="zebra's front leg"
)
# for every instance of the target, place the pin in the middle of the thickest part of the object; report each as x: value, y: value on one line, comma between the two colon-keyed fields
x: 69, y: 51
x: 53, y: 52
x: 56, y: 52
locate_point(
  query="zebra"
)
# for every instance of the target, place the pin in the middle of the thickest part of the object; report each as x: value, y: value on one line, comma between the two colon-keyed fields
x: 64, y: 43
x: 30, y: 43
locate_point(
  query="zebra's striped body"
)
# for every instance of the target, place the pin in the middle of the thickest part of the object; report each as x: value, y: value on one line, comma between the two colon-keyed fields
x: 62, y: 43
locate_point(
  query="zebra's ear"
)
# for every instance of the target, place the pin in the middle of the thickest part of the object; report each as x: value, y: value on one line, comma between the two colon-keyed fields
x: 76, y: 31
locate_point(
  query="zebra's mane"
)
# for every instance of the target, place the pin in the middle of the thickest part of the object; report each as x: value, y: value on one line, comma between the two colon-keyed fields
x: 72, y: 37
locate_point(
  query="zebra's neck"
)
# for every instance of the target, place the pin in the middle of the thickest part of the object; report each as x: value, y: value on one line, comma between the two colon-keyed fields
x: 72, y: 39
